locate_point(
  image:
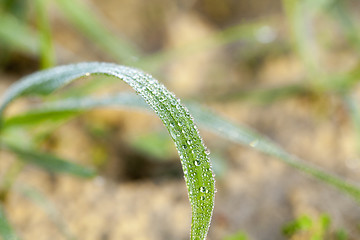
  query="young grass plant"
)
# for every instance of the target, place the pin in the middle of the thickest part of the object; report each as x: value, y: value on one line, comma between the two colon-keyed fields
x: 194, y: 156
x: 196, y: 164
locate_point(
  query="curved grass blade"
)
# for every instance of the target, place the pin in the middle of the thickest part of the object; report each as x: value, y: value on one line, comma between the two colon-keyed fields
x: 6, y: 231
x: 194, y: 157
x: 209, y: 121
x: 49, y: 162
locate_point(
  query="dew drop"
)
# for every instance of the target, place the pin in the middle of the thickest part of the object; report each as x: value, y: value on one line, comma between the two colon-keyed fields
x: 202, y: 198
x: 197, y: 163
x: 162, y: 98
x: 184, y: 146
x: 202, y: 189
x: 173, y: 135
x: 254, y: 143
x: 207, y: 152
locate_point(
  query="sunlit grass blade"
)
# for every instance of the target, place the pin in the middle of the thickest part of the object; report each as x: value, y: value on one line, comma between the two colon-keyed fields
x: 176, y: 118
x: 49, y: 208
x: 49, y: 162
x: 43, y: 25
x: 6, y: 231
x: 209, y: 121
x: 16, y: 35
x: 89, y: 23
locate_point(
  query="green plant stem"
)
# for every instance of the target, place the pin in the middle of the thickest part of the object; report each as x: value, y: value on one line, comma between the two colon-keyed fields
x: 46, y: 43
x: 299, y: 16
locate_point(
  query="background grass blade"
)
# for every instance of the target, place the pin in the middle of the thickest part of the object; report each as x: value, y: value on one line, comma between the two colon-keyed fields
x: 248, y: 137
x: 88, y: 22
x: 205, y: 119
x: 6, y: 231
x: 49, y: 162
x: 194, y: 157
x: 70, y: 107
x: 17, y: 36
x: 46, y: 43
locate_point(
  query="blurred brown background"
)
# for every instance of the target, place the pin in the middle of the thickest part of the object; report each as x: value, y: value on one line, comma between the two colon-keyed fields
x: 267, y: 64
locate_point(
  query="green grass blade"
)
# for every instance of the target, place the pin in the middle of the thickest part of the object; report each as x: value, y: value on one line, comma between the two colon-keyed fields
x: 49, y: 162
x: 38, y: 116
x: 71, y: 107
x: 6, y: 231
x: 16, y: 35
x: 43, y: 24
x: 89, y: 23
x: 248, y: 137
x: 194, y: 157
x: 17, y: 8
x: 209, y: 121
x: 299, y: 15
